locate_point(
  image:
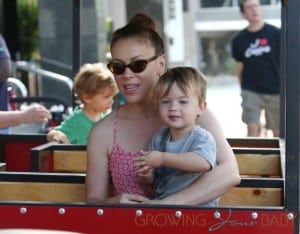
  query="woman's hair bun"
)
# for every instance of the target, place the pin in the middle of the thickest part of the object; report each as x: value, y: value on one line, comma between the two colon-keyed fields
x: 142, y: 20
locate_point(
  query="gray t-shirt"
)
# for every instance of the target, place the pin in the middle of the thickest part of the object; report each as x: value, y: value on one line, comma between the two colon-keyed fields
x: 171, y: 180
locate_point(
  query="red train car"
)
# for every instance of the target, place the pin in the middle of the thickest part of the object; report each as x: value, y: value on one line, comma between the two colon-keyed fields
x: 81, y: 218
x: 139, y: 219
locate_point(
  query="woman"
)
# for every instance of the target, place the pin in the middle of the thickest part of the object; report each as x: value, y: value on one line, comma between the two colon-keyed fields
x: 138, y: 61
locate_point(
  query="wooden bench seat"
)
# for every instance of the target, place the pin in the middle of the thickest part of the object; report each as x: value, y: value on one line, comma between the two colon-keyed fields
x: 254, y: 142
x: 255, y: 192
x: 72, y: 158
x: 42, y: 187
x: 250, y: 164
x: 69, y: 161
x: 259, y: 162
x: 260, y: 168
x: 53, y: 157
x: 70, y: 187
x: 262, y: 176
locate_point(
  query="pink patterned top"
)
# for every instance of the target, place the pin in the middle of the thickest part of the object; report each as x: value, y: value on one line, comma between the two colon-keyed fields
x: 121, y: 167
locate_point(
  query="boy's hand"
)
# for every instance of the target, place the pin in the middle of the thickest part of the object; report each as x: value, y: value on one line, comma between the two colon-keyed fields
x: 152, y: 159
x: 142, y: 169
x: 58, y: 136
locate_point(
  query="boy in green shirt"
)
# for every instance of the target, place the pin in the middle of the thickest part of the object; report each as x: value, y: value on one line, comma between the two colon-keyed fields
x: 95, y: 88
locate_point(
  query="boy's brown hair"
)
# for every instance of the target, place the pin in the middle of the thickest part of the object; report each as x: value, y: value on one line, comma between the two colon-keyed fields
x: 187, y: 79
x: 92, y: 78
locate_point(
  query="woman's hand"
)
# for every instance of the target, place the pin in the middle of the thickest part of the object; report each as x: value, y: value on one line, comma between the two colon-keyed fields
x: 131, y: 198
x: 153, y: 202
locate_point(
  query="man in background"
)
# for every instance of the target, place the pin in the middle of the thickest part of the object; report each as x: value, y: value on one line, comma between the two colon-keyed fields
x: 5, y: 72
x: 8, y: 118
x: 256, y: 50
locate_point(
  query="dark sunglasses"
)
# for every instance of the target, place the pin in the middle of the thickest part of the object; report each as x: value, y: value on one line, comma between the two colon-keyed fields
x: 136, y: 66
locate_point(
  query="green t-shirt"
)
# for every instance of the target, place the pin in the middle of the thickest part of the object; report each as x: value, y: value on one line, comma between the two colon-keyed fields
x: 77, y: 126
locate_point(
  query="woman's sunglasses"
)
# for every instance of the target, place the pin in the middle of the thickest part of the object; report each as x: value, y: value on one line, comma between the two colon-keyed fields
x: 137, y: 66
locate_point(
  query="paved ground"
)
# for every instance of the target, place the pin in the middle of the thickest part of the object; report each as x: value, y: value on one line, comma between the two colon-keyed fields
x: 223, y: 98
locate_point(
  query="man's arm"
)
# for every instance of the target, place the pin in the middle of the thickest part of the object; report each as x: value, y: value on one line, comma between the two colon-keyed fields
x: 238, y: 71
x: 5, y: 69
x: 34, y: 114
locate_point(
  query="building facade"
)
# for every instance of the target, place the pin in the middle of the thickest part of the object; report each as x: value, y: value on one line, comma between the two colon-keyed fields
x: 197, y: 32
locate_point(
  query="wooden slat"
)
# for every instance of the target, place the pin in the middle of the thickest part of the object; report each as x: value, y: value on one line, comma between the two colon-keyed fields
x: 38, y: 191
x: 254, y: 163
x: 252, y: 197
x: 64, y: 192
x: 249, y: 164
x: 254, y: 142
x: 69, y: 161
x: 260, y: 165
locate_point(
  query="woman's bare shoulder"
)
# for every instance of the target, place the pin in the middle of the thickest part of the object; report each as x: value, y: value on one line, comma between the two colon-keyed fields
x: 108, y: 119
x: 104, y: 125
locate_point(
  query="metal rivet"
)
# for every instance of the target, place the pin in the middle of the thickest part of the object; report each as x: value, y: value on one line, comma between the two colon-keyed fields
x: 178, y: 213
x: 138, y: 212
x: 254, y: 215
x: 290, y: 216
x: 100, y: 212
x: 61, y: 211
x: 23, y: 210
x: 217, y: 214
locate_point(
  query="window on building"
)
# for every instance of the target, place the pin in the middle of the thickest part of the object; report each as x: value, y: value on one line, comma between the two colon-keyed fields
x: 215, y: 3
x: 230, y: 3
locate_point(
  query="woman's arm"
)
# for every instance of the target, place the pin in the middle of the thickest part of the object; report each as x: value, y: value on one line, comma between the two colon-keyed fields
x: 217, y: 181
x: 97, y: 175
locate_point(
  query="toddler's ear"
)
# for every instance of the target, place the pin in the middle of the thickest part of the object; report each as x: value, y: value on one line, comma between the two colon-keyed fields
x: 86, y: 98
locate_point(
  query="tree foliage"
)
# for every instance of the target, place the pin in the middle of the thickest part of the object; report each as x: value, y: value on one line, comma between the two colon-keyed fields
x: 28, y: 26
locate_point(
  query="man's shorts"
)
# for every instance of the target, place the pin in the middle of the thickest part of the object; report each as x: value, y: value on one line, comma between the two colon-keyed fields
x: 253, y: 103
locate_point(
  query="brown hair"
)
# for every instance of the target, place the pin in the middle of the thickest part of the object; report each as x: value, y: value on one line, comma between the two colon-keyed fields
x: 241, y: 5
x: 143, y: 27
x: 187, y: 79
x: 92, y: 78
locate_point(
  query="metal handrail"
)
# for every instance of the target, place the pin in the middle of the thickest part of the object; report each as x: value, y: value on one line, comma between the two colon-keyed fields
x: 31, y: 67
x: 19, y: 85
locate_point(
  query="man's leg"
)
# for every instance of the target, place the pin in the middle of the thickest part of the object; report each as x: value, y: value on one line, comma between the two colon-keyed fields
x: 251, y: 106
